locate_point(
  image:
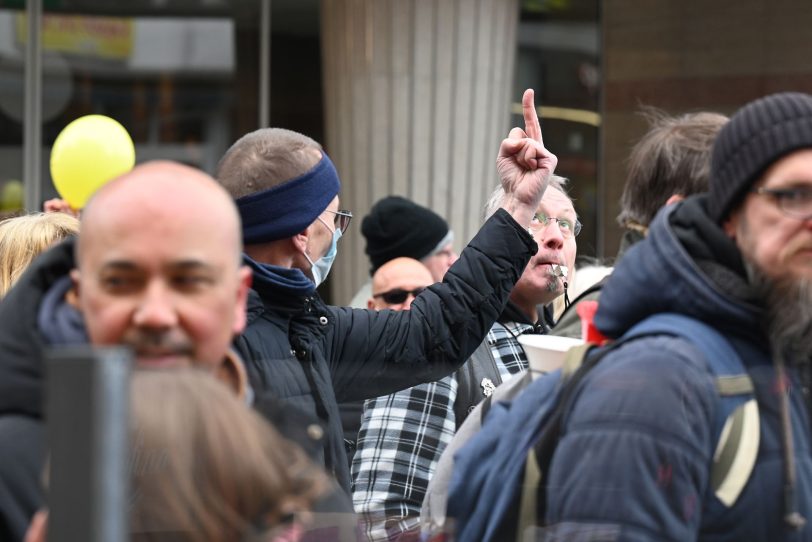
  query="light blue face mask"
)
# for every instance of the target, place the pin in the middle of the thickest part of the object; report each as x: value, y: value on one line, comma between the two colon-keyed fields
x: 321, y: 267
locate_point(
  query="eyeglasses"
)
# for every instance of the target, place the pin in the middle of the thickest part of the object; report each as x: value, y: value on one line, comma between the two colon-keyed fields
x: 342, y: 220
x: 398, y: 295
x: 568, y: 227
x: 795, y: 202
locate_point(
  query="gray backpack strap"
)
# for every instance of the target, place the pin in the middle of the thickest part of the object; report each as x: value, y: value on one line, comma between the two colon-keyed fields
x: 476, y: 380
x: 738, y: 427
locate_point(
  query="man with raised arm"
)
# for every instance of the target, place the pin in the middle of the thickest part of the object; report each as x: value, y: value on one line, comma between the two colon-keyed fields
x: 313, y: 355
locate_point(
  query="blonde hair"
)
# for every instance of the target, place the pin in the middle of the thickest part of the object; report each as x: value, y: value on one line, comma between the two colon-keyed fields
x: 23, y: 238
x: 205, y: 467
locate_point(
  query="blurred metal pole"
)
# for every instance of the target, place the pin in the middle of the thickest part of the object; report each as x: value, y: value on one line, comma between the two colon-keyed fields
x: 265, y: 64
x: 32, y: 116
x: 88, y: 403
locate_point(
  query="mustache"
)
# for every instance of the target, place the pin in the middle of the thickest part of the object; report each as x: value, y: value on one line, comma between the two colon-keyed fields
x: 558, y: 271
x: 152, y: 342
x: 798, y: 244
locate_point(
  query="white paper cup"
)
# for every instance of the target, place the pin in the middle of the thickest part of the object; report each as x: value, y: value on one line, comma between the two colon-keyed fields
x: 545, y: 353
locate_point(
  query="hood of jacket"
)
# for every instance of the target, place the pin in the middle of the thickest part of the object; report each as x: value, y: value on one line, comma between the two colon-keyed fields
x: 687, y: 265
x: 22, y: 341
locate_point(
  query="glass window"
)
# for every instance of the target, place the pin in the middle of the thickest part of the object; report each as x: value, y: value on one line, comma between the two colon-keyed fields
x: 181, y: 77
x: 12, y: 82
x: 559, y: 56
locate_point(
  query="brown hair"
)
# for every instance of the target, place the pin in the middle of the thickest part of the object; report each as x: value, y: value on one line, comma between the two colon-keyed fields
x: 265, y: 158
x: 23, y: 238
x: 673, y: 157
x: 205, y: 467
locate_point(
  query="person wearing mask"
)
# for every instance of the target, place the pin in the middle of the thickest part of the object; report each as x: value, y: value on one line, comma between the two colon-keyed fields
x: 157, y: 269
x: 313, y: 355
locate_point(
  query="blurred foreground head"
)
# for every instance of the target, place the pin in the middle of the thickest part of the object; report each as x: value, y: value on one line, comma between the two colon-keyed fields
x: 158, y: 266
x: 206, y: 467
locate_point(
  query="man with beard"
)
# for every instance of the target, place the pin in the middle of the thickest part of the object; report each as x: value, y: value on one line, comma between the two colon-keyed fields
x: 634, y: 460
x: 404, y: 434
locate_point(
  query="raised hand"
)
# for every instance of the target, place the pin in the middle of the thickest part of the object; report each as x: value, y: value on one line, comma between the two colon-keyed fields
x: 56, y: 205
x: 524, y: 165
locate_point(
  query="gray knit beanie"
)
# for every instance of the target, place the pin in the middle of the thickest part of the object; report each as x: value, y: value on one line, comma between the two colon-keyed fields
x: 757, y: 136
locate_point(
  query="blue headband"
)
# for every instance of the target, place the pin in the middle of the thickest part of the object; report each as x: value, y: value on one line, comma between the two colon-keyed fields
x: 289, y: 208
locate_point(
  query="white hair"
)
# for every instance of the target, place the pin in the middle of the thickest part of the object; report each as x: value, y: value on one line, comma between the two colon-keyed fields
x: 497, y: 196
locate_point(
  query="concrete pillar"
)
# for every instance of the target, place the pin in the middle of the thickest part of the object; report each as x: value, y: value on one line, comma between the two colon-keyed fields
x: 416, y: 103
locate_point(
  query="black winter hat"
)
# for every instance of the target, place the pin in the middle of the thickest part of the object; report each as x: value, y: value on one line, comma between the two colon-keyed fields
x: 757, y: 136
x: 396, y: 227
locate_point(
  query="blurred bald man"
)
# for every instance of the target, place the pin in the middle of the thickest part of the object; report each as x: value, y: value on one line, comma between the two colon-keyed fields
x: 157, y: 269
x: 397, y: 282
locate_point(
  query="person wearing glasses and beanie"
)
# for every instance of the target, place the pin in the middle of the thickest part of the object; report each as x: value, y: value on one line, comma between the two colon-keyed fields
x: 739, y: 259
x: 404, y: 434
x: 312, y: 355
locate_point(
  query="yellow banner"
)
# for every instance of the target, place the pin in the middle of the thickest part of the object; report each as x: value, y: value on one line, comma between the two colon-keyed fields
x: 100, y: 37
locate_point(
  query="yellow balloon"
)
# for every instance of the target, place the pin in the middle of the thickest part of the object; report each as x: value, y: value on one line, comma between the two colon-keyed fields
x: 88, y: 153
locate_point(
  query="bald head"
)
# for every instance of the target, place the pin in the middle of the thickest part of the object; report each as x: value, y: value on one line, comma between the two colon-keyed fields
x: 158, y: 190
x: 158, y: 266
x: 393, y: 279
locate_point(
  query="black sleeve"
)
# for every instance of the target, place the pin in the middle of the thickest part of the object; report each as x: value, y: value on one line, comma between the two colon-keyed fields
x: 377, y: 353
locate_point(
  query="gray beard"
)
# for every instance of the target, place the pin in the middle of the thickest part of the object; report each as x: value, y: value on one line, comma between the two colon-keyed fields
x: 787, y: 305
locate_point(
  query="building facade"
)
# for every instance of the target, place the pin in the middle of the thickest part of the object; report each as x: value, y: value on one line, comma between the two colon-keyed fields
x: 408, y: 97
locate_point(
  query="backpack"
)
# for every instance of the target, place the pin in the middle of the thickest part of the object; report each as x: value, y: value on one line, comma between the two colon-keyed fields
x: 497, y: 487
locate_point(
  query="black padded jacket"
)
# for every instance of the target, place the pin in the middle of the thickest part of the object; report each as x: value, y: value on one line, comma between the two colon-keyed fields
x: 313, y: 355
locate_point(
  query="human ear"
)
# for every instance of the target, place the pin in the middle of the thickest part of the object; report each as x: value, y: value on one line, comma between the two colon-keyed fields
x: 245, y: 278
x: 731, y: 225
x: 300, y: 241
x: 73, y: 294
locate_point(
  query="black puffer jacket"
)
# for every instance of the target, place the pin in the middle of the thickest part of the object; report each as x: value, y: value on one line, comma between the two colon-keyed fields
x: 22, y: 433
x: 27, y: 328
x: 314, y: 356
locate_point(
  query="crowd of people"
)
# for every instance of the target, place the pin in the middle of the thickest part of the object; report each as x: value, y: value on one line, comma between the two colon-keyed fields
x: 268, y: 414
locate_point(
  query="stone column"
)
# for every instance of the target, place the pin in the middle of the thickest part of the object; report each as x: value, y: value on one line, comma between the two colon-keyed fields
x: 416, y: 103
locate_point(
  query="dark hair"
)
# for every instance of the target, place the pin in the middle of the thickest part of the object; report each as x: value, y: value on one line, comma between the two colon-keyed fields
x: 265, y: 158
x: 673, y: 157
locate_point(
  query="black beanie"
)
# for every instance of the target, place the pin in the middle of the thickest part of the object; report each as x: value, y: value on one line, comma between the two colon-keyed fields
x: 396, y: 227
x: 757, y: 136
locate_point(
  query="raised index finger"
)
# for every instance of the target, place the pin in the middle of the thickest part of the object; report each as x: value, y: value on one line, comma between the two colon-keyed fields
x: 531, y: 119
